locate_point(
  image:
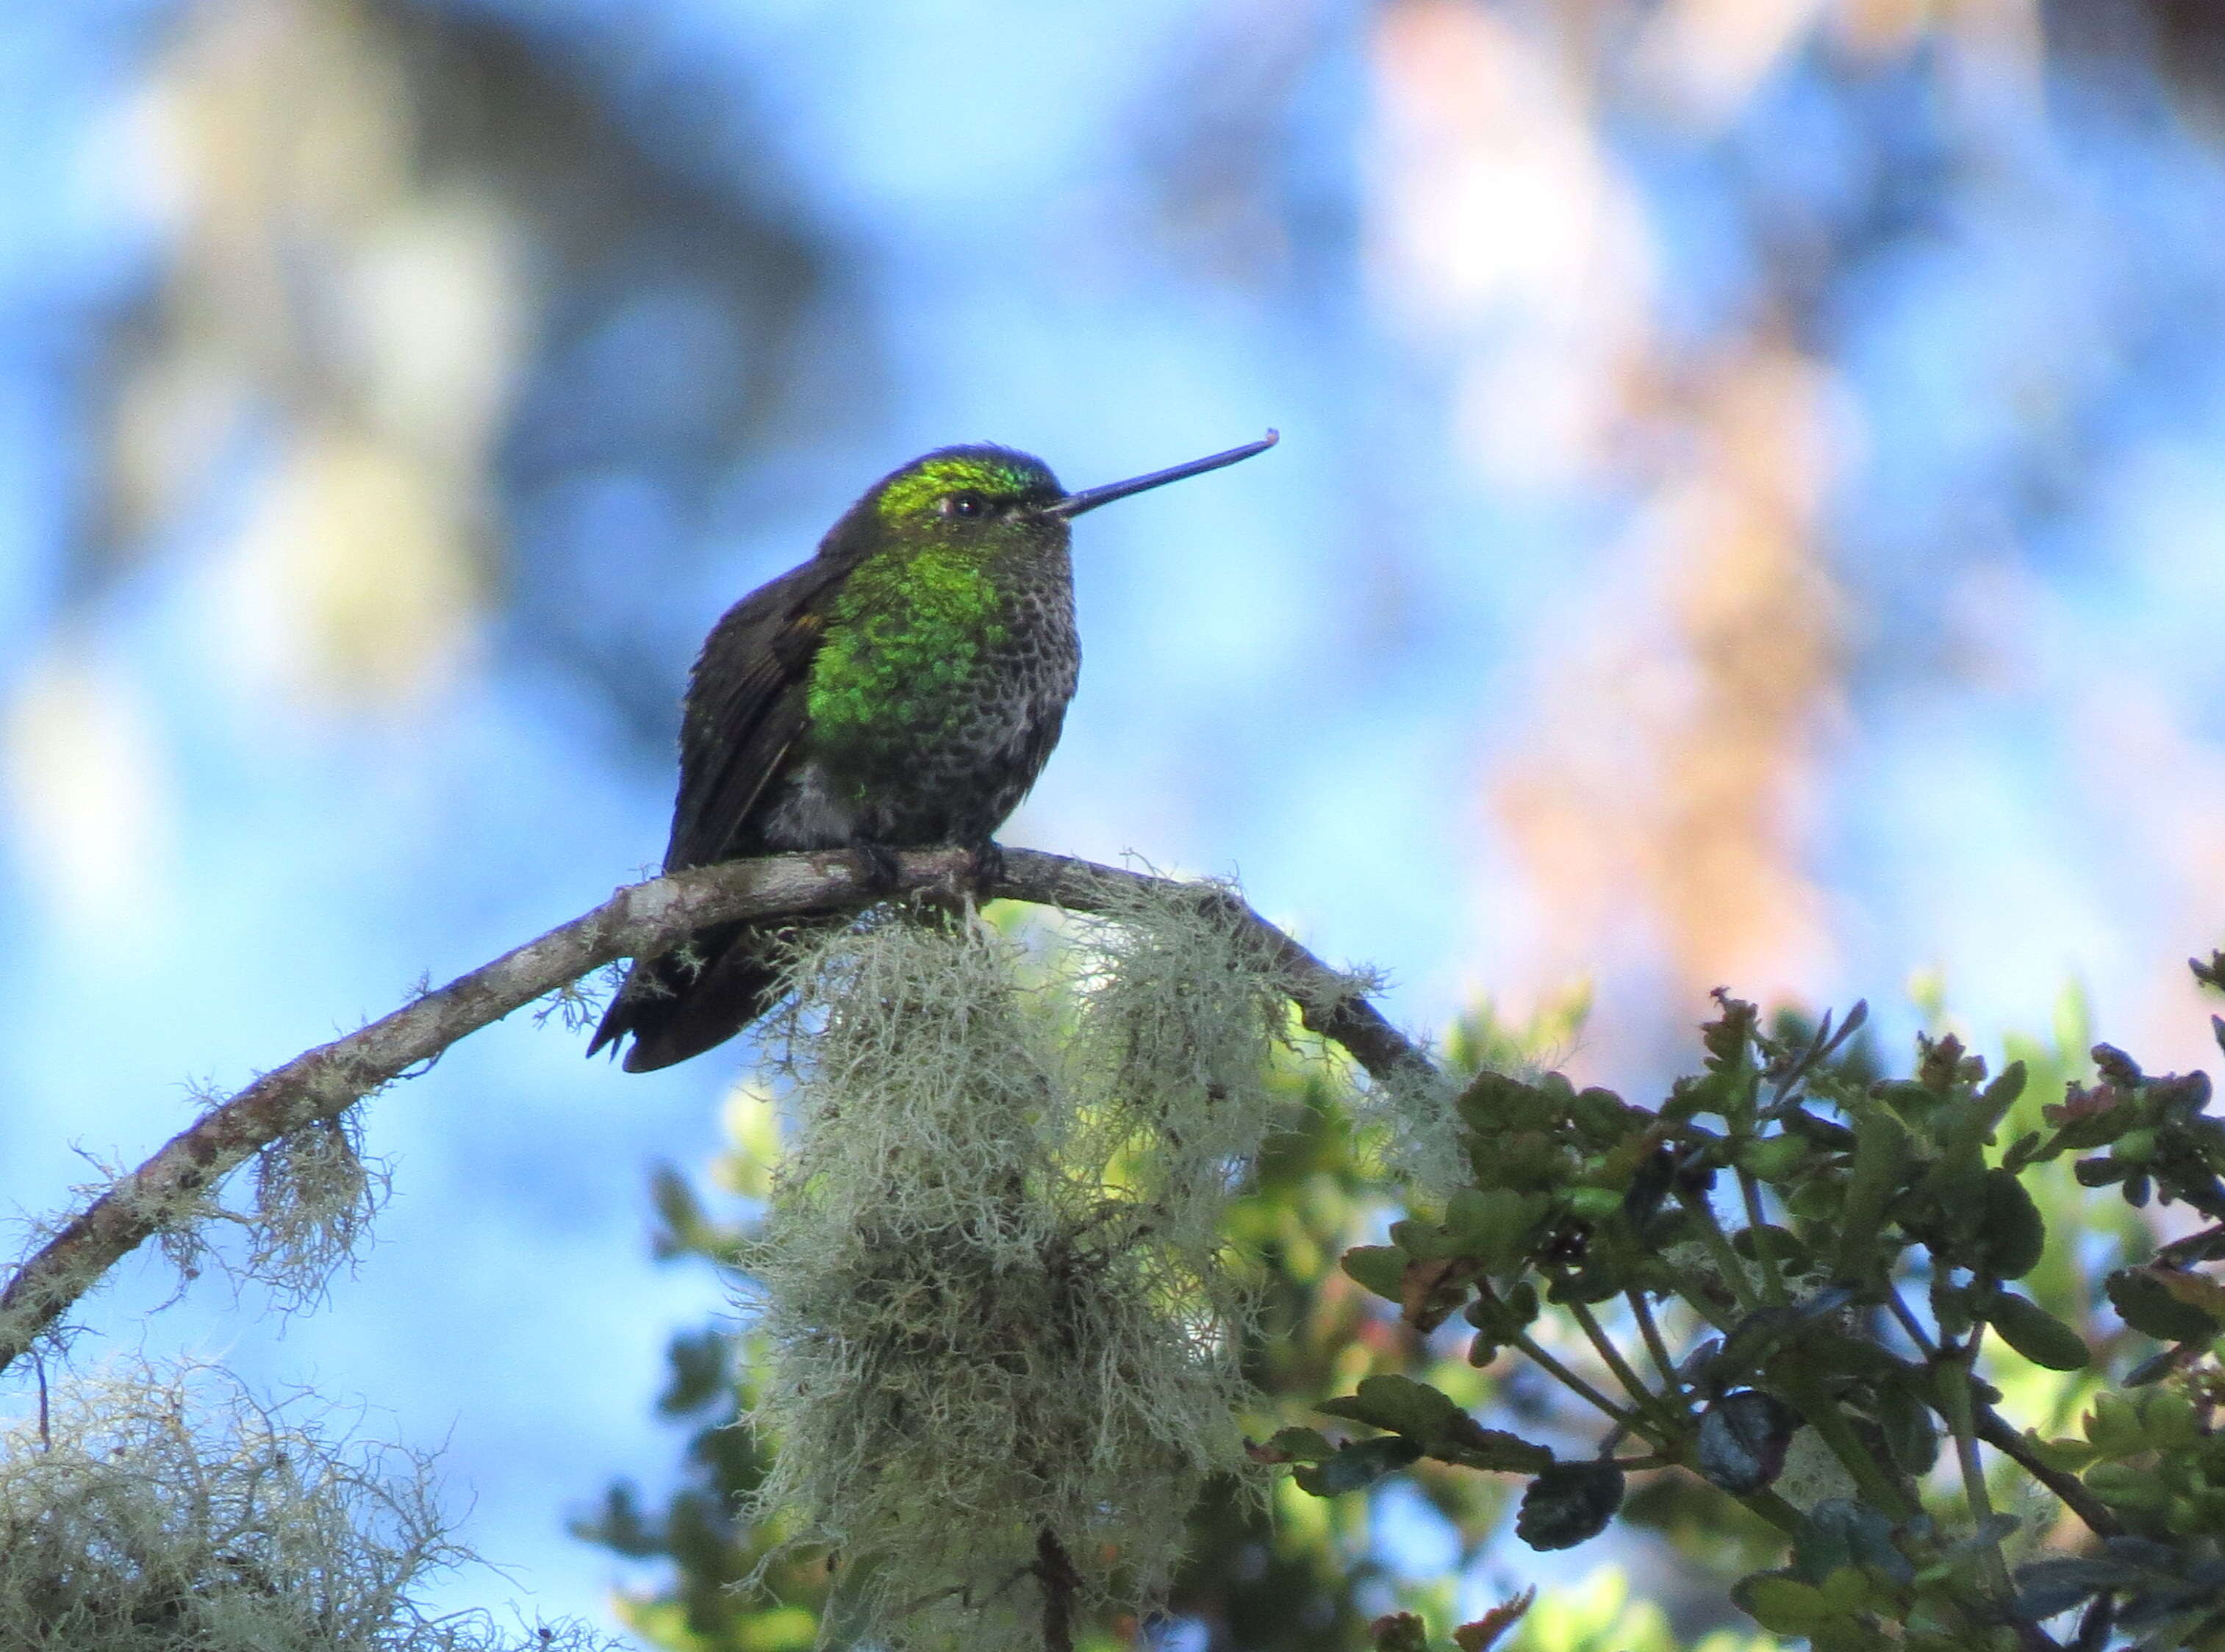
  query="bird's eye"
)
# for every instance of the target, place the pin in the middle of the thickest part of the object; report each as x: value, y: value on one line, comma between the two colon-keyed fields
x: 965, y: 503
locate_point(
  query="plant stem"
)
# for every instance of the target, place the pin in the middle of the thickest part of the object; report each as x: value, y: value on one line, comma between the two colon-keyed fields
x: 1772, y: 1507
x: 1995, y: 1430
x: 1953, y: 1368
x: 1814, y: 1403
x: 1575, y: 1383
x: 639, y: 921
x: 1692, y: 1291
x: 1718, y: 1245
x: 1765, y: 1250
x: 1672, y: 1384
x: 1909, y: 1323
x: 1667, y: 1414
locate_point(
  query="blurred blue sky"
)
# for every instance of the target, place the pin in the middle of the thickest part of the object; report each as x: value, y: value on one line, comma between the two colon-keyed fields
x: 1811, y: 449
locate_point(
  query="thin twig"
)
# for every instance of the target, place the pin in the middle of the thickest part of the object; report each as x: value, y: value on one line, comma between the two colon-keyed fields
x: 1765, y: 1250
x: 1667, y: 1414
x: 1995, y: 1430
x: 1909, y: 1323
x: 640, y: 920
x: 1642, y: 1311
x: 1573, y: 1382
x: 1726, y: 1259
x: 1955, y: 1367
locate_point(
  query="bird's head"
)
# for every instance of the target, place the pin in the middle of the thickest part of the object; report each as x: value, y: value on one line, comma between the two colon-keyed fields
x: 994, y: 498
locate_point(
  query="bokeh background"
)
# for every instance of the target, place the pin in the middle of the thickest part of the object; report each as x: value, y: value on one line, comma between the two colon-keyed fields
x: 1751, y: 510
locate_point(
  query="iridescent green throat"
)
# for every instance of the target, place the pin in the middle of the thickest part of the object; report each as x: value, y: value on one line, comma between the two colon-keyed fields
x: 906, y: 634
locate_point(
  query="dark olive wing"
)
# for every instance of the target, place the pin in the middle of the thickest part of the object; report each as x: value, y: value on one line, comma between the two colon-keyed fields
x: 744, y: 713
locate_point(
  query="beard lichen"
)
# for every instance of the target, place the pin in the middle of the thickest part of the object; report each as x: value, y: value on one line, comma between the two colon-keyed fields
x: 315, y: 1195
x: 150, y: 1511
x: 1412, y: 1130
x: 1003, y: 1333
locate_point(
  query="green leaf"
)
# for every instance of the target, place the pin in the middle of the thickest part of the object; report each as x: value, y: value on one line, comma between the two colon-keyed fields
x: 1399, y: 1404
x: 2144, y: 1302
x: 1846, y: 1635
x: 1849, y: 1589
x: 2198, y: 1291
x: 1784, y: 1244
x: 1493, y: 1224
x: 2013, y: 1235
x: 1568, y: 1503
x: 2022, y: 1151
x: 1607, y: 1273
x: 1995, y: 1100
x: 2169, y: 1421
x: 2114, y: 1425
x: 1437, y: 1426
x: 1494, y: 1101
x: 1502, y: 1318
x: 1773, y: 1159
x: 1603, y: 1116
x: 1819, y: 1132
x: 1294, y: 1446
x: 1840, y: 1531
x: 1780, y: 1603
x: 1764, y: 1333
x: 2122, y: 1485
x: 1727, y: 1038
x: 1753, y: 1340
x: 2153, y: 1369
x: 1596, y: 1204
x: 1409, y: 1234
x: 2047, y: 1588
x: 1376, y: 1267
x: 2068, y: 1455
x: 1360, y: 1463
x: 2036, y: 1334
x: 1910, y: 1433
x: 1881, y: 1154
x: 1491, y: 1449
x: 702, y: 1372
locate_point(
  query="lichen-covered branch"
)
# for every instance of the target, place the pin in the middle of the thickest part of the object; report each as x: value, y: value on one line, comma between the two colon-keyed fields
x: 642, y: 920
x: 1329, y: 1003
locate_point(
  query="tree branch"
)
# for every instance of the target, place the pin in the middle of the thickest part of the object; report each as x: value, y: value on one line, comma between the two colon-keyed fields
x: 640, y: 920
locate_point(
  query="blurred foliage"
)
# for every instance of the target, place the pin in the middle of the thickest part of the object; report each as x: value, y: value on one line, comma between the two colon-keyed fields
x: 438, y: 269
x: 693, y: 318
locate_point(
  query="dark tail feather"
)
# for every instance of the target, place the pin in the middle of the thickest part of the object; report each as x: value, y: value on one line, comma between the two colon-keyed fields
x: 677, y: 1006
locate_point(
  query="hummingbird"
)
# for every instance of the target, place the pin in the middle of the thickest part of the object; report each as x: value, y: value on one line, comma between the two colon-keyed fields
x: 901, y: 689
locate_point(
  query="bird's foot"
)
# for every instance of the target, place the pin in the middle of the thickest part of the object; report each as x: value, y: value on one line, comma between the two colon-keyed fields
x: 988, y: 867
x: 878, y: 869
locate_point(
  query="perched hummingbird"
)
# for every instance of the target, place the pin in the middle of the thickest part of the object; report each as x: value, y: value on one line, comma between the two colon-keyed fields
x: 901, y: 689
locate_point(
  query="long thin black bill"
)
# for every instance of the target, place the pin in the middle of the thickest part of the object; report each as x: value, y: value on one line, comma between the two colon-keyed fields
x: 1089, y: 499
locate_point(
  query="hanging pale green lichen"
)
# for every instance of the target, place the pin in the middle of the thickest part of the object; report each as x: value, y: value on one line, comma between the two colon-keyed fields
x: 144, y: 1510
x: 1003, y: 1338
